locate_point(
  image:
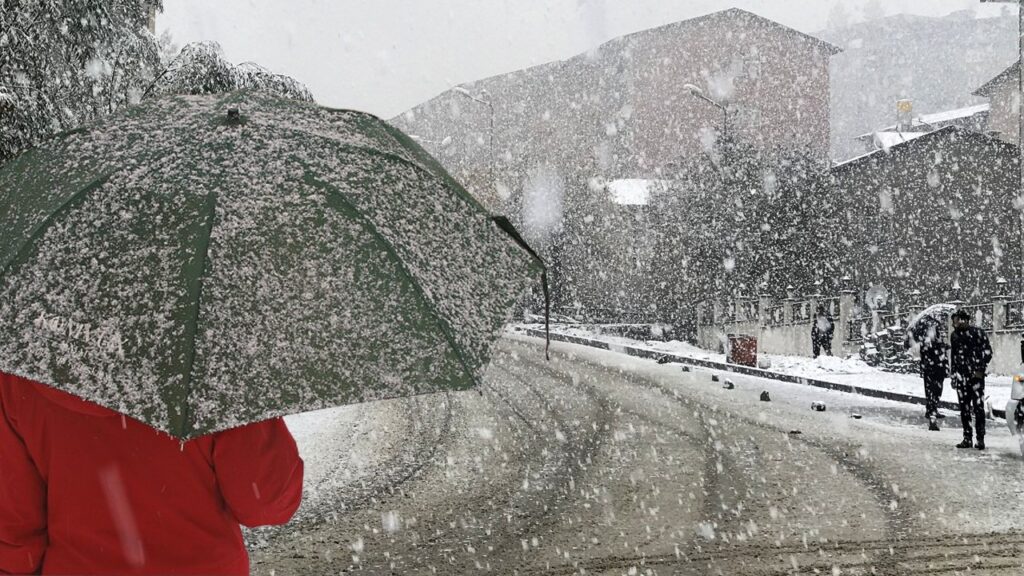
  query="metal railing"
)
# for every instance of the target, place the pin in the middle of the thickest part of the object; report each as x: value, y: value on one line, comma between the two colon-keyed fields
x: 740, y: 311
x: 860, y: 323
x: 892, y: 320
x: 858, y: 328
x: 1014, y: 314
x: 746, y: 311
x: 802, y: 313
x: 777, y: 315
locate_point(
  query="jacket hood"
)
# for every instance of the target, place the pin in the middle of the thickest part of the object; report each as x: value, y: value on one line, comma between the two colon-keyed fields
x: 73, y: 403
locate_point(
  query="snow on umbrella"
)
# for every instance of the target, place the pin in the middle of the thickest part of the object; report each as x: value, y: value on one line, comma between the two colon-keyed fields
x: 932, y: 314
x: 201, y: 262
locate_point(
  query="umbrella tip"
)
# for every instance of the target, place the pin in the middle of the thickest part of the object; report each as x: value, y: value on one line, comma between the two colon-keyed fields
x: 233, y: 117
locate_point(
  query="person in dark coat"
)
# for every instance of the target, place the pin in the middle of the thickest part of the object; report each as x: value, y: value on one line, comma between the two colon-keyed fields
x: 821, y: 333
x: 928, y: 335
x: 970, y: 353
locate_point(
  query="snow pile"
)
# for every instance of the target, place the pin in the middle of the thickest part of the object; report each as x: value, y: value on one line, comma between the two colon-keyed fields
x: 850, y: 370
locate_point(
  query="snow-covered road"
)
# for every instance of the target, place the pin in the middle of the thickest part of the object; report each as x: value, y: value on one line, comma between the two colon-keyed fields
x: 598, y: 463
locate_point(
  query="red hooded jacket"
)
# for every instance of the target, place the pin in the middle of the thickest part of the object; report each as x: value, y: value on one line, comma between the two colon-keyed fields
x: 85, y: 490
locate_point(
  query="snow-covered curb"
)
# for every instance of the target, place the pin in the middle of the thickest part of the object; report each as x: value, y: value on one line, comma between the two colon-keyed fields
x: 871, y: 382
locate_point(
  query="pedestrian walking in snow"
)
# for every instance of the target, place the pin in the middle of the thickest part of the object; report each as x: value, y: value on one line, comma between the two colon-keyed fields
x: 927, y: 334
x: 85, y: 490
x: 970, y: 353
x: 821, y: 333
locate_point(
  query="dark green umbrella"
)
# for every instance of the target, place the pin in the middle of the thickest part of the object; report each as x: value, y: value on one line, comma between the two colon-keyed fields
x: 200, y: 263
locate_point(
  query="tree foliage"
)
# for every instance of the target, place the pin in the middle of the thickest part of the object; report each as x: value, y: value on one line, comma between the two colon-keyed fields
x: 67, y: 62
x: 736, y: 223
x: 64, y: 62
x: 200, y: 68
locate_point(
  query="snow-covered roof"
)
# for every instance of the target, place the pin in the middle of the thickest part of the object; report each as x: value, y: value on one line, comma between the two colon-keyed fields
x: 668, y: 32
x: 889, y: 139
x: 951, y: 115
x: 936, y: 120
x: 854, y: 159
x: 1004, y: 77
x: 948, y: 131
x: 751, y: 18
x: 633, y: 191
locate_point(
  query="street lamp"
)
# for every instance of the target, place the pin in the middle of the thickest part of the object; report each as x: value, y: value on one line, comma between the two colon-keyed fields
x: 695, y: 91
x: 490, y: 107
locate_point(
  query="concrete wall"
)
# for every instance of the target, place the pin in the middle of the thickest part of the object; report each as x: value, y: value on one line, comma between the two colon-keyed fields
x: 714, y: 337
x: 792, y: 340
x: 795, y: 340
x: 1005, y: 352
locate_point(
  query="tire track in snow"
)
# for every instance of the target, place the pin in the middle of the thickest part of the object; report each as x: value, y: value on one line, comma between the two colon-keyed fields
x: 898, y: 519
x: 558, y: 483
x: 544, y: 400
x: 709, y: 475
x: 979, y: 554
x: 336, y: 496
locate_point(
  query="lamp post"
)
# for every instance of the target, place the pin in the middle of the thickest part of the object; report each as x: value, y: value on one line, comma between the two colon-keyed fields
x: 695, y: 91
x: 490, y: 108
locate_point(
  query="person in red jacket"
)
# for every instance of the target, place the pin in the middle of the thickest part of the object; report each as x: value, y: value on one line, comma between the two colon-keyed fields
x: 85, y: 490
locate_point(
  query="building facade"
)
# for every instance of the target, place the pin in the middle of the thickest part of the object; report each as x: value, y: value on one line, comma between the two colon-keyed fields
x: 1003, y: 93
x: 623, y: 110
x: 933, y: 213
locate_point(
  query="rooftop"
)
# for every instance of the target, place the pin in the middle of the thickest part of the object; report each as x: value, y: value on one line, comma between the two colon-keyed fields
x: 732, y: 13
x: 633, y: 191
x: 936, y: 120
x: 1010, y: 74
x: 885, y: 140
x: 831, y: 49
x: 951, y: 131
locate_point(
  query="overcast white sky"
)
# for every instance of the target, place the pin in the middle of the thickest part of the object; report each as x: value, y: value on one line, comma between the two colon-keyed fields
x: 385, y: 56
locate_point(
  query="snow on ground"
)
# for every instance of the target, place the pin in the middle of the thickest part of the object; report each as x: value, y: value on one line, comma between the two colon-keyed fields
x: 849, y: 370
x: 654, y: 467
x: 878, y: 417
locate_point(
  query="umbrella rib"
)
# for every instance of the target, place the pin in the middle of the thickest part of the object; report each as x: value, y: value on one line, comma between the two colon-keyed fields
x: 419, y: 157
x: 39, y: 230
x: 195, y: 291
x: 424, y: 161
x: 413, y: 161
x: 446, y: 329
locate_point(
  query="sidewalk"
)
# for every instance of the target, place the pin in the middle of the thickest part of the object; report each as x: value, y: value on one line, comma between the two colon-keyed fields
x: 843, y: 372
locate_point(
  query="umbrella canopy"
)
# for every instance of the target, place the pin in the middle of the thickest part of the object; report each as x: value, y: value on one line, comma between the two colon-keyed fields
x: 929, y: 316
x: 203, y: 262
